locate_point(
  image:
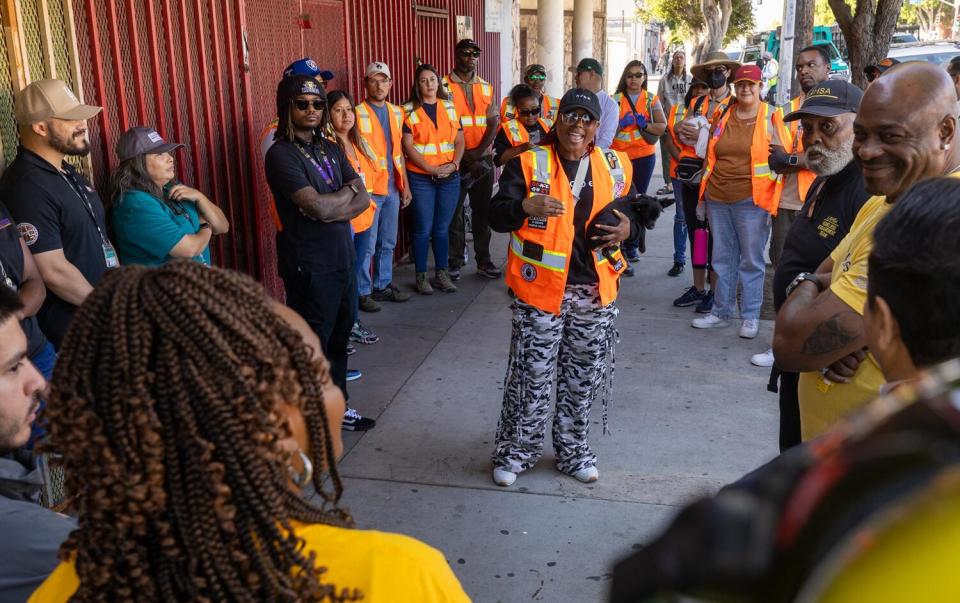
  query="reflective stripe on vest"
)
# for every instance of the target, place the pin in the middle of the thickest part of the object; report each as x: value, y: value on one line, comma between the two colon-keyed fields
x: 363, y: 119
x: 513, y: 129
x: 551, y: 260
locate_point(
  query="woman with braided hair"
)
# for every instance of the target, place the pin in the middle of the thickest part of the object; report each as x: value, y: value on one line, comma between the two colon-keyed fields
x: 189, y: 411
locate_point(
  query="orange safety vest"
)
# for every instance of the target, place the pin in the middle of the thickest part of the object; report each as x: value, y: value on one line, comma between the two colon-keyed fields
x: 436, y: 143
x: 372, y: 131
x: 472, y: 120
x: 365, y: 167
x: 763, y: 180
x: 791, y: 137
x: 517, y: 132
x: 629, y: 139
x: 538, y: 257
x: 677, y: 113
x: 549, y: 107
x: 694, y: 110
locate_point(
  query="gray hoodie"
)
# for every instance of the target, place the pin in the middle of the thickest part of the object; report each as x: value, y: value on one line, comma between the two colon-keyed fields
x: 31, y: 533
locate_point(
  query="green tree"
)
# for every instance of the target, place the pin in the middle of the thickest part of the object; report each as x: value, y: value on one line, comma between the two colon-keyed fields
x: 706, y: 24
x: 925, y: 14
x: 867, y: 29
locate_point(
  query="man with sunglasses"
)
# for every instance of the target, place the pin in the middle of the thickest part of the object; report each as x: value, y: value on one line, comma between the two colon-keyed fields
x: 316, y: 193
x: 479, y: 120
x: 534, y: 76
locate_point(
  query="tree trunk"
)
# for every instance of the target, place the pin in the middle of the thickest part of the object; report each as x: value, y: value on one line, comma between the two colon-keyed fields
x: 803, y: 36
x: 716, y: 18
x: 867, y: 33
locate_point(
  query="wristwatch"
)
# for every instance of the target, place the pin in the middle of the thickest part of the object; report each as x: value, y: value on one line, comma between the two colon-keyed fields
x: 353, y: 186
x: 805, y: 276
x: 793, y: 160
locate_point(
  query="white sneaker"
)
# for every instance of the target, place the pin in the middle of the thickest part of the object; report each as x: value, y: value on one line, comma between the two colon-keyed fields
x: 709, y: 321
x: 749, y: 328
x: 587, y: 475
x: 502, y: 477
x: 765, y: 359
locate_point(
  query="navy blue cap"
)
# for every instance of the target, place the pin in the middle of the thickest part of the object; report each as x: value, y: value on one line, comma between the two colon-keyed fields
x: 828, y: 99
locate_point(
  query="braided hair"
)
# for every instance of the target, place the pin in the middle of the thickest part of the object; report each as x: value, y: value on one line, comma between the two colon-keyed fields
x: 166, y: 411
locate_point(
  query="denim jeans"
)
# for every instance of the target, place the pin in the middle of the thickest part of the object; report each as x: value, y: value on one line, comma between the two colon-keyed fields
x: 740, y: 232
x: 679, y: 224
x: 364, y: 244
x: 642, y: 173
x: 388, y: 218
x: 434, y: 203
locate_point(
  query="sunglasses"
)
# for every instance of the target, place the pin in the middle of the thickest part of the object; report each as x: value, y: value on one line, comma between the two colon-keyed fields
x: 530, y: 112
x: 302, y: 105
x: 570, y: 118
x: 537, y: 78
x: 470, y: 53
x: 636, y: 75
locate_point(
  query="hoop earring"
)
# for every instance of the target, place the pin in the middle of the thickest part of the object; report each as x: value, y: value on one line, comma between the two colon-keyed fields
x: 302, y: 478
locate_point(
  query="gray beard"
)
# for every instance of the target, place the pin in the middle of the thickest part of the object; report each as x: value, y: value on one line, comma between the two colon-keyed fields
x: 830, y: 162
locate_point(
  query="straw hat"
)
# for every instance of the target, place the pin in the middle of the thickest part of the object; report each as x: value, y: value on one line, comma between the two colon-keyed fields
x: 713, y: 59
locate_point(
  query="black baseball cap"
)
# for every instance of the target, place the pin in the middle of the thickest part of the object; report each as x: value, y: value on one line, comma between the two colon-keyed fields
x: 828, y: 99
x: 467, y: 43
x: 579, y: 98
x: 141, y: 140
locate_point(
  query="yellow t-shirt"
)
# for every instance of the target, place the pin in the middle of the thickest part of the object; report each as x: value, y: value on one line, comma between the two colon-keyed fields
x: 822, y: 404
x: 385, y: 567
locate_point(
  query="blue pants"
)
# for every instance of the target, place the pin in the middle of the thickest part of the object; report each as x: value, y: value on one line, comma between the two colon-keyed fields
x: 642, y: 172
x: 740, y: 231
x: 679, y: 225
x: 44, y: 360
x: 434, y: 203
x: 364, y: 243
x: 388, y: 218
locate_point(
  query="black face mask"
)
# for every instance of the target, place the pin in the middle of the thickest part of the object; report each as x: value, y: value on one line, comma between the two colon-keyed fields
x: 716, y: 79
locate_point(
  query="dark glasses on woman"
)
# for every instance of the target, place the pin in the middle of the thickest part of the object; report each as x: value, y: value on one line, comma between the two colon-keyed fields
x: 302, y: 105
x: 636, y: 75
x: 530, y: 112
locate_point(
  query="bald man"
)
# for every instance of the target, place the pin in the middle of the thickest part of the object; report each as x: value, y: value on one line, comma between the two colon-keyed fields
x: 904, y: 132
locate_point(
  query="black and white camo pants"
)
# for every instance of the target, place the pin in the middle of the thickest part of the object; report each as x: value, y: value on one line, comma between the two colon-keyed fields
x: 580, y: 343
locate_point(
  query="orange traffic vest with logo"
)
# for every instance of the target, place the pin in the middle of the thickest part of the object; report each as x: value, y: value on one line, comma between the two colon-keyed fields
x: 517, y: 132
x: 364, y: 166
x: 473, y: 120
x: 791, y: 137
x: 549, y: 107
x: 436, y: 143
x: 763, y: 179
x: 629, y: 139
x: 372, y: 132
x: 538, y: 257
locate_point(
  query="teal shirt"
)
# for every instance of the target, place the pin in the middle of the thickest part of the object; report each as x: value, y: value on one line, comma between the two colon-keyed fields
x: 146, y: 228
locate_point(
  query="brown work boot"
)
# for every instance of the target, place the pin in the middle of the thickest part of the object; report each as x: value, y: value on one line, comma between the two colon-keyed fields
x: 443, y: 282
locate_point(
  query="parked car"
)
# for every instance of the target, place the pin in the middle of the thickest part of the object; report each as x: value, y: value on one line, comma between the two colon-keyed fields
x: 938, y: 53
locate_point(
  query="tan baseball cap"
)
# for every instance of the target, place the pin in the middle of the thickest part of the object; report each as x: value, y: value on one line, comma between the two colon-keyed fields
x: 44, y: 99
x: 377, y: 67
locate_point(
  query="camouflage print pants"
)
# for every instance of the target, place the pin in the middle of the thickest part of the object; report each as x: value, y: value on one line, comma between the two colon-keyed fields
x: 575, y: 350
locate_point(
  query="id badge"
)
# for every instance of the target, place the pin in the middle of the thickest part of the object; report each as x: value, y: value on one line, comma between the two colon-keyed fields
x: 110, y: 256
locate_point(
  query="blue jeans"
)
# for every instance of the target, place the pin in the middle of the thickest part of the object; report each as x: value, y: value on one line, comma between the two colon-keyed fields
x: 740, y: 232
x: 364, y: 244
x: 44, y: 360
x: 642, y: 173
x: 679, y: 224
x: 388, y: 217
x: 433, y: 206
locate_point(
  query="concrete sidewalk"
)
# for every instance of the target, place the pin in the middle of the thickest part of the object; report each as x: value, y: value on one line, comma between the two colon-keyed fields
x: 689, y: 414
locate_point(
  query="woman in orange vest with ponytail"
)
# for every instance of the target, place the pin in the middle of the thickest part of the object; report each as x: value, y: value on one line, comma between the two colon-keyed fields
x: 523, y: 132
x: 737, y: 193
x: 564, y: 266
x: 433, y: 144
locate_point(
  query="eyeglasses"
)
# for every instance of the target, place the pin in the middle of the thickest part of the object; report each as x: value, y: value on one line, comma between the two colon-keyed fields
x: 530, y: 112
x: 635, y: 75
x: 570, y: 118
x: 302, y: 105
x: 537, y: 78
x: 470, y: 53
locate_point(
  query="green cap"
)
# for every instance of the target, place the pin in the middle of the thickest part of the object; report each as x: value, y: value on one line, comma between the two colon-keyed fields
x: 590, y: 65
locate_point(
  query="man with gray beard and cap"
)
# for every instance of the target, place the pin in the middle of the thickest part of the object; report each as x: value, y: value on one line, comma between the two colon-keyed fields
x: 829, y: 209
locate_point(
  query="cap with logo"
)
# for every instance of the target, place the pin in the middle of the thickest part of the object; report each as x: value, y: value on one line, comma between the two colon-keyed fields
x: 307, y: 66
x: 310, y: 86
x: 467, y: 43
x: 44, y: 99
x: 881, y: 66
x: 579, y: 98
x: 141, y: 140
x: 377, y: 67
x: 828, y: 99
x: 534, y: 68
x: 589, y: 65
x: 748, y: 73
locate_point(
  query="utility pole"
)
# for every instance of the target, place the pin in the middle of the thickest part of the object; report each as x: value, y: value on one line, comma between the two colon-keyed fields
x: 787, y: 33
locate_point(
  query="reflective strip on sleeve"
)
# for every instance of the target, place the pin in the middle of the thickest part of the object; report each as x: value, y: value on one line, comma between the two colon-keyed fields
x: 552, y: 260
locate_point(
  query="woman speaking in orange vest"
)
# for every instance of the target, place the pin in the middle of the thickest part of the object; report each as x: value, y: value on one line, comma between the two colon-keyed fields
x: 523, y: 132
x: 737, y: 193
x: 565, y: 283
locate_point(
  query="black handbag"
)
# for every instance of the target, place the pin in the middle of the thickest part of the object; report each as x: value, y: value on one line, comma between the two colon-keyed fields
x: 690, y: 170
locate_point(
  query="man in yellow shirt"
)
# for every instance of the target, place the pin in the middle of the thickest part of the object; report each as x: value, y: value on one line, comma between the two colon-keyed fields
x: 904, y: 132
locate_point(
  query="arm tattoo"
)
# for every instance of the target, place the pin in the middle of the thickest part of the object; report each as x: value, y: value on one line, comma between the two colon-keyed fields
x: 833, y: 334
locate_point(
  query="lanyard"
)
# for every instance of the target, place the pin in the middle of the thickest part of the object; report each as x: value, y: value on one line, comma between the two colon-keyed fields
x: 78, y: 189
x: 578, y: 181
x: 6, y: 278
x: 326, y: 170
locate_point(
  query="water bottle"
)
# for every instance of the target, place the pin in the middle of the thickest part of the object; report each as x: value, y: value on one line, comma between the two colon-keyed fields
x: 701, y: 242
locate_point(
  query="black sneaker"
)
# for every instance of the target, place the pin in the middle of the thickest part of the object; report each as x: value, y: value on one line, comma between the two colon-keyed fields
x: 368, y: 304
x: 706, y: 305
x: 629, y: 271
x: 454, y: 272
x: 677, y: 269
x: 353, y: 421
x: 390, y: 293
x: 488, y: 270
x: 691, y: 297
